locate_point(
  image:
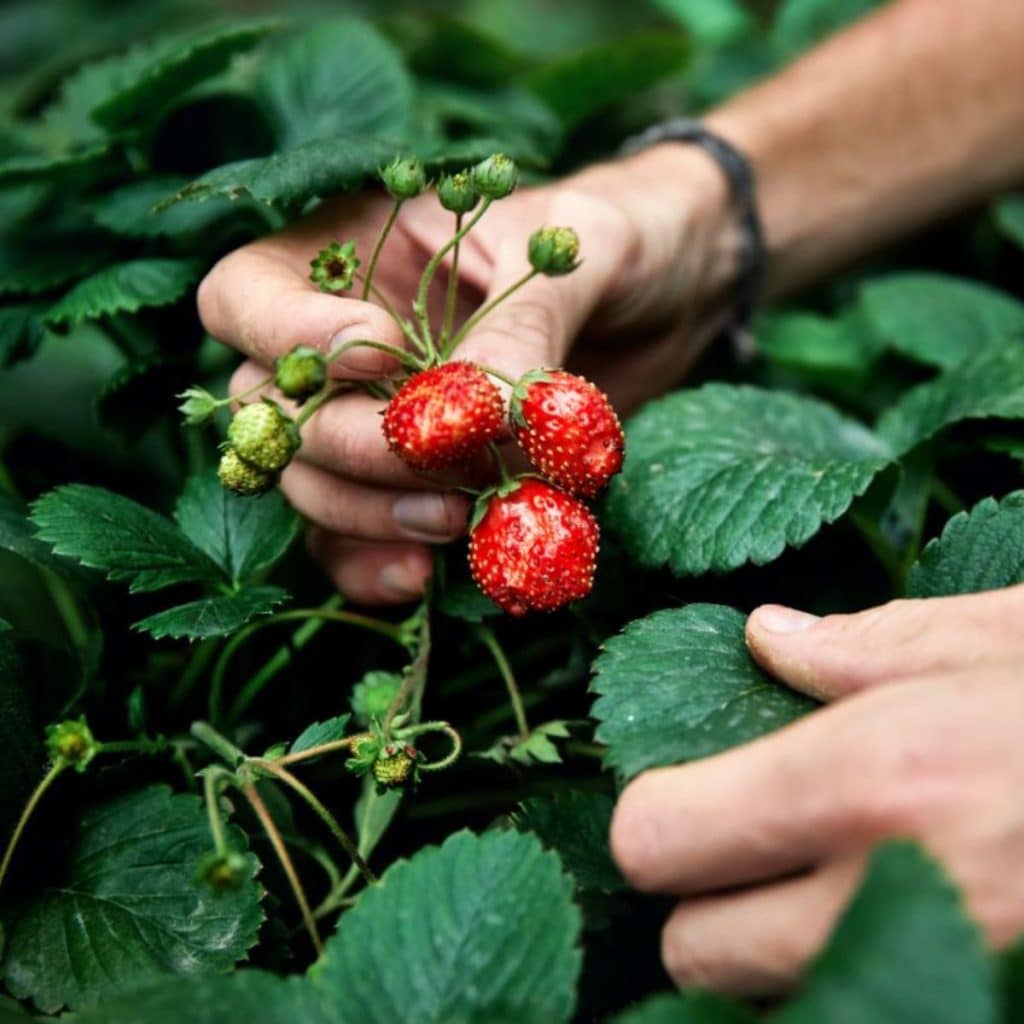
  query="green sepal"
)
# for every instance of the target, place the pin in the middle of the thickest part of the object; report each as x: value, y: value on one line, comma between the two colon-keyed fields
x: 197, y: 406
x: 502, y: 490
x: 515, y: 407
x: 72, y: 743
x: 334, y: 268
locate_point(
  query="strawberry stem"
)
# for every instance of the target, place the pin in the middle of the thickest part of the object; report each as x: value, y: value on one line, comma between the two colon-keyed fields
x: 490, y: 641
x: 405, y: 358
x: 506, y: 477
x: 381, y: 239
x: 33, y: 802
x: 491, y: 371
x: 403, y: 325
x: 488, y: 307
x: 212, y: 785
x: 453, y: 280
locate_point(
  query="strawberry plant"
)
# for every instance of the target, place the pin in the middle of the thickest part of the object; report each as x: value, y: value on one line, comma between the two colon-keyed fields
x: 227, y: 789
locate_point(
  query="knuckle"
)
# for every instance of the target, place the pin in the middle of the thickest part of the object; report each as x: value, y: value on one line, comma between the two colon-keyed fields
x: 689, y: 961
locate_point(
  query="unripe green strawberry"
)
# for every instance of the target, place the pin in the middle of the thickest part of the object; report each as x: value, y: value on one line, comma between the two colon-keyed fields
x: 533, y: 547
x: 243, y: 478
x: 554, y: 251
x: 223, y: 871
x: 456, y: 192
x: 496, y: 176
x: 404, y: 177
x: 334, y: 268
x: 374, y: 694
x: 394, y: 765
x: 301, y: 373
x: 72, y: 743
x: 264, y: 436
x: 568, y: 429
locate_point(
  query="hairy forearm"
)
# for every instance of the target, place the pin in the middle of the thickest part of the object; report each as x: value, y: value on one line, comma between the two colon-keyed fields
x: 907, y: 116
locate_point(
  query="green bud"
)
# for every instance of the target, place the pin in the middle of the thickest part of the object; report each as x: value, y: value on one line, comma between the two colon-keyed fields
x: 554, y: 251
x: 404, y: 177
x: 457, y: 192
x: 496, y: 176
x: 264, y: 436
x: 72, y: 743
x: 223, y: 871
x: 301, y: 373
x: 198, y: 406
x: 242, y: 477
x: 334, y: 267
x: 373, y: 695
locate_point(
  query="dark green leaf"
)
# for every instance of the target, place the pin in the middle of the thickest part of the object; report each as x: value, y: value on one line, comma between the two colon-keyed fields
x: 904, y: 950
x: 806, y: 341
x: 128, y: 541
x: 30, y: 265
x: 688, y: 1008
x: 724, y: 475
x: 126, y: 288
x: 450, y: 934
x: 321, y: 732
x: 937, y: 319
x: 462, y: 599
x: 319, y: 168
x: 21, y: 755
x: 990, y: 383
x: 536, y: 748
x: 1011, y: 965
x: 979, y: 550
x: 171, y: 67
x: 141, y: 392
x: 11, y: 1012
x: 710, y: 24
x: 335, y: 78
x: 575, y: 824
x: 18, y: 536
x: 243, y: 536
x: 21, y: 333
x: 76, y: 168
x: 1009, y: 215
x: 127, y: 907
x: 213, y: 616
x: 679, y: 685
x: 578, y: 86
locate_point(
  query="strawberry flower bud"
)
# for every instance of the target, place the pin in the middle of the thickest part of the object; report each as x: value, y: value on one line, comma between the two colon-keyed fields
x: 457, y: 192
x: 334, y: 267
x: 242, y: 477
x: 72, y: 743
x: 264, y: 436
x: 404, y: 177
x: 301, y: 373
x: 373, y: 695
x: 223, y: 871
x: 554, y: 251
x: 496, y: 176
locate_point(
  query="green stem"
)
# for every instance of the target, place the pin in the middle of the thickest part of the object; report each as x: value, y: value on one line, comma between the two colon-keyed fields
x: 317, y: 402
x: 405, y: 358
x: 211, y: 794
x: 450, y: 758
x: 193, y: 671
x: 33, y: 802
x: 245, y: 394
x: 488, y: 307
x: 882, y: 549
x: 946, y: 498
x: 415, y: 675
x: 503, y: 377
x: 495, y: 451
x: 420, y: 305
x: 323, y: 748
x: 344, y: 841
x: 403, y: 325
x: 453, y: 287
x: 157, y: 746
x: 381, y: 239
x: 220, y: 744
x: 490, y: 641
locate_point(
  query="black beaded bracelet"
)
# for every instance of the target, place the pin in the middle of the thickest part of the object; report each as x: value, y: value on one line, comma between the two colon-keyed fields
x: 736, y: 168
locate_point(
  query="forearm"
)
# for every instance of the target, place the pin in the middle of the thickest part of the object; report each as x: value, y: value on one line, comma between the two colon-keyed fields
x: 909, y: 115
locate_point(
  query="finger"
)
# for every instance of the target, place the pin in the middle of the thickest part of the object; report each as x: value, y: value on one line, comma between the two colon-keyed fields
x: 536, y: 326
x: 262, y: 305
x: 756, y: 942
x: 840, y: 654
x: 372, y: 573
x: 370, y: 513
x: 782, y: 804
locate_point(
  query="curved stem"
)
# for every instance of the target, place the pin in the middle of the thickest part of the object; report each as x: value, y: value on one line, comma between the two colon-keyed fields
x: 256, y: 801
x: 415, y: 675
x: 500, y: 460
x: 488, y: 307
x: 453, y: 754
x: 324, y: 748
x: 405, y: 358
x: 381, y: 239
x: 221, y: 745
x: 211, y: 794
x: 453, y: 287
x: 491, y: 371
x: 403, y: 325
x: 344, y: 841
x: 33, y: 802
x: 317, y: 402
x: 227, y: 400
x: 490, y: 641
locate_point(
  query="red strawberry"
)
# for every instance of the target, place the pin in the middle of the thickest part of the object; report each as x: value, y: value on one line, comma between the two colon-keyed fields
x: 568, y: 429
x: 443, y: 415
x: 534, y: 548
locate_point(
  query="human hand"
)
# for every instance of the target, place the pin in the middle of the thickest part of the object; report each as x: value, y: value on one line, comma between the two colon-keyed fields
x: 766, y: 843
x: 647, y: 280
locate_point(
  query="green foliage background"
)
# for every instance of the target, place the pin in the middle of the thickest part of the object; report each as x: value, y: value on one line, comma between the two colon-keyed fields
x: 880, y: 413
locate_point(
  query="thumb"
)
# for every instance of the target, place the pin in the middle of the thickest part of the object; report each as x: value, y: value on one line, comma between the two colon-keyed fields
x: 838, y: 655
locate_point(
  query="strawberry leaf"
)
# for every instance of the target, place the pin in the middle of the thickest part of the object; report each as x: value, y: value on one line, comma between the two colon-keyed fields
x: 1009, y: 217
x: 219, y: 615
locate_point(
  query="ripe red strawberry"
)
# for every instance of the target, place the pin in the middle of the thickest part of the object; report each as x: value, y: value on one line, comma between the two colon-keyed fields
x: 443, y: 415
x: 534, y: 548
x: 568, y: 429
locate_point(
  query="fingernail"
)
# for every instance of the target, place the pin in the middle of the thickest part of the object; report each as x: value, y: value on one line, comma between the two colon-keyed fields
x: 401, y: 581
x: 360, y: 358
x: 423, y: 516
x: 776, y: 619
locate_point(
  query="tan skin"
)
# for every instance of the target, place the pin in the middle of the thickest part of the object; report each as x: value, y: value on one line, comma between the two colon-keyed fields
x: 911, y: 114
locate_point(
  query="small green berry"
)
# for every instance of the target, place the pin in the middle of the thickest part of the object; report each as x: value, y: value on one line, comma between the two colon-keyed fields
x: 394, y: 765
x: 496, y: 176
x: 404, y: 177
x: 243, y: 478
x: 334, y: 268
x: 223, y: 871
x: 264, y: 436
x: 554, y: 251
x: 301, y: 373
x: 373, y: 695
x: 456, y: 192
x: 72, y: 742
